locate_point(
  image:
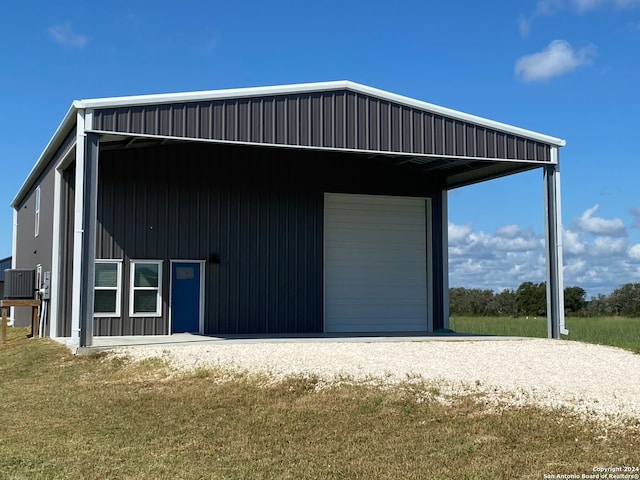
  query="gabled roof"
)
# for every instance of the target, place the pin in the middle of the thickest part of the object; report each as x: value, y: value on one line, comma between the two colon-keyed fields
x: 309, y: 88
x: 338, y: 116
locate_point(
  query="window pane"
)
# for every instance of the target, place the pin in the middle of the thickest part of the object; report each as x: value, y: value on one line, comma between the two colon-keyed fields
x: 145, y: 275
x: 145, y: 301
x: 104, y: 301
x: 184, y: 273
x: 106, y: 275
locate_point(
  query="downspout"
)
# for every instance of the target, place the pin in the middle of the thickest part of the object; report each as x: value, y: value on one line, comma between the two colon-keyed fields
x: 14, y: 252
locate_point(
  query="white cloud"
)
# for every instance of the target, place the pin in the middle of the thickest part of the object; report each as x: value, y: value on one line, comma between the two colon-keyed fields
x: 558, y: 58
x: 608, y: 246
x: 634, y: 252
x: 509, y: 231
x: 613, y: 227
x: 64, y: 35
x: 598, y: 255
x: 547, y: 8
x: 457, y: 233
x: 572, y: 243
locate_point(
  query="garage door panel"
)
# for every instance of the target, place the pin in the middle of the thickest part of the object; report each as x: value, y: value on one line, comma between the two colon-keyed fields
x: 375, y: 263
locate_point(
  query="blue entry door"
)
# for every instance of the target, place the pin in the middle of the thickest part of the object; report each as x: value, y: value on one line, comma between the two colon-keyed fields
x: 185, y: 297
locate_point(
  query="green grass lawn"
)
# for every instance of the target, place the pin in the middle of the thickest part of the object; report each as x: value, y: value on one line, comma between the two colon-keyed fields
x: 95, y: 417
x: 615, y: 331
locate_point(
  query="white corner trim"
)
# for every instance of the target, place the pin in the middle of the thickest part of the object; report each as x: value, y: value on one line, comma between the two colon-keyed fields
x: 78, y: 228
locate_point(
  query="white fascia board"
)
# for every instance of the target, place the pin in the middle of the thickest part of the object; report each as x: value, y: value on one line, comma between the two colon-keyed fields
x: 59, y: 135
x: 313, y: 87
x: 211, y: 94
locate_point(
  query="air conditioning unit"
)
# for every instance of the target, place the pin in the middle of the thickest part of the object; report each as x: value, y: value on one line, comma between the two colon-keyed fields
x: 19, y: 283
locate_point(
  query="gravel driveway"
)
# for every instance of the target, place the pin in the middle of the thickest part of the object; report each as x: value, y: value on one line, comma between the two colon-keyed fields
x: 595, y: 381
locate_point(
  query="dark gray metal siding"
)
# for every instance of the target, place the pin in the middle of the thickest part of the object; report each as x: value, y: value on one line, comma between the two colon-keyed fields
x: 5, y: 264
x: 260, y: 210
x: 332, y: 119
x: 32, y: 250
x: 67, y: 218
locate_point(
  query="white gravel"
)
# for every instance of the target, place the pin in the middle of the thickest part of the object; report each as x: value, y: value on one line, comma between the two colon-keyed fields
x: 594, y: 381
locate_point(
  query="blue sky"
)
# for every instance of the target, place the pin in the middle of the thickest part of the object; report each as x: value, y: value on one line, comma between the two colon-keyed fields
x: 567, y: 68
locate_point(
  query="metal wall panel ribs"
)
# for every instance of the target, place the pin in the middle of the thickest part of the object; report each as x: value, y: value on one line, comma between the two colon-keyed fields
x: 334, y: 119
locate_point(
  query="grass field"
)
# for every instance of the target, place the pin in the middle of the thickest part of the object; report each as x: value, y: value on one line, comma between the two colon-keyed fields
x: 615, y: 331
x: 95, y: 417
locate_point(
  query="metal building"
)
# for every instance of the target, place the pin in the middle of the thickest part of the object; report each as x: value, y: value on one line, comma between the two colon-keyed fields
x: 286, y: 209
x: 5, y: 263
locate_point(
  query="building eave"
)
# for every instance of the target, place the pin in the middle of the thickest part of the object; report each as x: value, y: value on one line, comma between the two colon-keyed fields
x: 58, y: 137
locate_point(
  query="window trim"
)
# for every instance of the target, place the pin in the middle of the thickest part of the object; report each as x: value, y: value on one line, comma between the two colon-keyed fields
x: 37, y: 212
x: 133, y: 288
x: 118, y: 289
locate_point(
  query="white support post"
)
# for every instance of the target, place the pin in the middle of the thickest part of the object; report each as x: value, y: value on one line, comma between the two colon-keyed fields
x: 78, y: 230
x: 553, y: 244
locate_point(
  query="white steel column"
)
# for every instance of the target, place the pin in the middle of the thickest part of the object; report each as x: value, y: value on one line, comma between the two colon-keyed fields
x: 553, y: 243
x: 77, y: 229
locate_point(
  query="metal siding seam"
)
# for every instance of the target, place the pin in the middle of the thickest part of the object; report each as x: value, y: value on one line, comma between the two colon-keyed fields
x: 170, y: 127
x: 367, y: 131
x: 344, y: 117
x: 449, y: 137
x: 423, y: 133
x: 233, y: 121
x: 432, y: 130
x: 143, y: 121
x: 382, y: 126
x: 396, y: 128
x: 334, y: 123
x: 274, y: 119
x: 445, y: 137
x: 298, y: 122
x: 374, y: 104
x: 411, y: 146
x: 248, y: 105
x: 389, y: 121
x: 183, y: 115
x: 309, y: 121
x: 285, y: 120
x: 198, y: 126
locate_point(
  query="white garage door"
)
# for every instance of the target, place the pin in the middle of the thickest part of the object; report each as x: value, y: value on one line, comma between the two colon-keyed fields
x: 375, y: 263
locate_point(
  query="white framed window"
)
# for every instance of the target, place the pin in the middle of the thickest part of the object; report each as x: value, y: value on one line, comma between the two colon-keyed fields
x: 107, y: 291
x: 37, y: 212
x: 145, y: 298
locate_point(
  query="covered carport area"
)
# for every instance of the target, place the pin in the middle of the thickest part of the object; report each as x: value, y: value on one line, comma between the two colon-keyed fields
x: 444, y: 148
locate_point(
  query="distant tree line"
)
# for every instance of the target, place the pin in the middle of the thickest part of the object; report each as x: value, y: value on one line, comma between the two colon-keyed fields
x: 530, y: 299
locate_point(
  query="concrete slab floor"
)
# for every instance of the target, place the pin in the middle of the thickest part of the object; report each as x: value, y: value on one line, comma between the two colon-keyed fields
x: 108, y: 343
